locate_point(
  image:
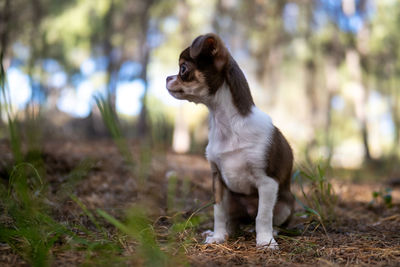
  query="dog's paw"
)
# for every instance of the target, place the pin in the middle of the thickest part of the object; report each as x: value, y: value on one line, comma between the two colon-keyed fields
x: 275, y: 232
x: 212, y: 237
x: 207, y: 233
x: 215, y: 239
x: 267, y: 243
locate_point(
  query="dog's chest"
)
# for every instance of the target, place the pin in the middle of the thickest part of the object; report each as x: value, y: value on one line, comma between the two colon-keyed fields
x: 235, y: 169
x: 238, y: 148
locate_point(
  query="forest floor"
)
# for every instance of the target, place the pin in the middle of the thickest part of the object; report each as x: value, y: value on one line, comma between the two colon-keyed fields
x: 362, y: 234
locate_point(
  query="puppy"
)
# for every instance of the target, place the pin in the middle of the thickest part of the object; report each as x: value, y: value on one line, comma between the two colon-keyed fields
x: 251, y: 161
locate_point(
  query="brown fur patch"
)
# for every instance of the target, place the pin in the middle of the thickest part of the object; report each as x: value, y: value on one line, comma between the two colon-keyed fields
x: 218, y: 185
x: 210, y: 46
x: 279, y: 166
x: 279, y: 158
x: 199, y: 76
x: 239, y: 87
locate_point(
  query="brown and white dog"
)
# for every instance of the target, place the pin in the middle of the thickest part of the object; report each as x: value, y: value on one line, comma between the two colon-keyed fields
x: 250, y: 159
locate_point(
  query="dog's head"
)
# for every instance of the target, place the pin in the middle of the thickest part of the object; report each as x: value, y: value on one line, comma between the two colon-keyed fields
x: 203, y: 69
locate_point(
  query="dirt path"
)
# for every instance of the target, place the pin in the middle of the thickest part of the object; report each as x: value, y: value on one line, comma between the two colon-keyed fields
x: 363, y: 235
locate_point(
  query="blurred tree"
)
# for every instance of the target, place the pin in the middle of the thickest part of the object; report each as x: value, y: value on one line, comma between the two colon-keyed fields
x: 350, y: 18
x: 21, y: 24
x: 356, y: 54
x: 312, y: 64
x: 115, y: 30
x: 328, y: 45
x: 129, y: 32
x: 383, y: 59
x: 145, y: 47
x: 267, y: 39
x: 333, y: 55
x: 37, y: 47
x: 4, y: 30
x: 4, y: 25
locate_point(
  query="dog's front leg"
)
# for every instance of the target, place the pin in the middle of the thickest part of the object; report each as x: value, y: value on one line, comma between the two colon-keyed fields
x: 221, y: 198
x: 267, y: 192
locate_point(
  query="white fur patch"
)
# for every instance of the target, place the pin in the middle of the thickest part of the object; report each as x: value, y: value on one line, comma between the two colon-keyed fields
x: 267, y: 192
x: 238, y: 146
x: 220, y: 233
x: 171, y: 82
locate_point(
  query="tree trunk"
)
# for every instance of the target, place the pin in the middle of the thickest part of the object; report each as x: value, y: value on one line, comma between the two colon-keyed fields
x: 143, y: 123
x: 35, y: 46
x: 359, y: 91
x: 268, y: 53
x: 362, y: 50
x: 108, y: 50
x: 395, y: 114
x: 4, y: 28
x: 310, y: 80
x: 332, y: 86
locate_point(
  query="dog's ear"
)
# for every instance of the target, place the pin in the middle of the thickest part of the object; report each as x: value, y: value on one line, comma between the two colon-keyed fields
x: 239, y: 88
x: 210, y: 45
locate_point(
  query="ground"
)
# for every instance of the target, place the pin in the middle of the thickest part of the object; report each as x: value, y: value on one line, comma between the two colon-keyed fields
x: 362, y: 234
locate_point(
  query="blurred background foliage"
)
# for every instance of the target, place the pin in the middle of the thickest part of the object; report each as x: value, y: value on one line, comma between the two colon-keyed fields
x: 326, y: 71
x: 75, y: 74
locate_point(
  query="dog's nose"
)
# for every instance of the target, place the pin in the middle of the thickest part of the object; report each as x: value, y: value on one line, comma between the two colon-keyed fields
x: 169, y: 78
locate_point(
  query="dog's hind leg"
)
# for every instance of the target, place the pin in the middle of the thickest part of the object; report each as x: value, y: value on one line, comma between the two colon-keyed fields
x: 283, y: 209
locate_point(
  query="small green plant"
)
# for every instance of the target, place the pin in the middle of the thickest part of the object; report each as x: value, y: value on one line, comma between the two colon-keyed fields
x: 139, y: 227
x: 25, y: 224
x: 319, y: 197
x: 152, y: 248
x: 30, y: 230
x: 156, y: 245
x: 111, y: 121
x: 26, y: 221
x: 382, y: 197
x: 100, y: 247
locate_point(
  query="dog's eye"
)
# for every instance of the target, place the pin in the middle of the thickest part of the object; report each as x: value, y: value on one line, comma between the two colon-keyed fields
x: 183, y: 69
